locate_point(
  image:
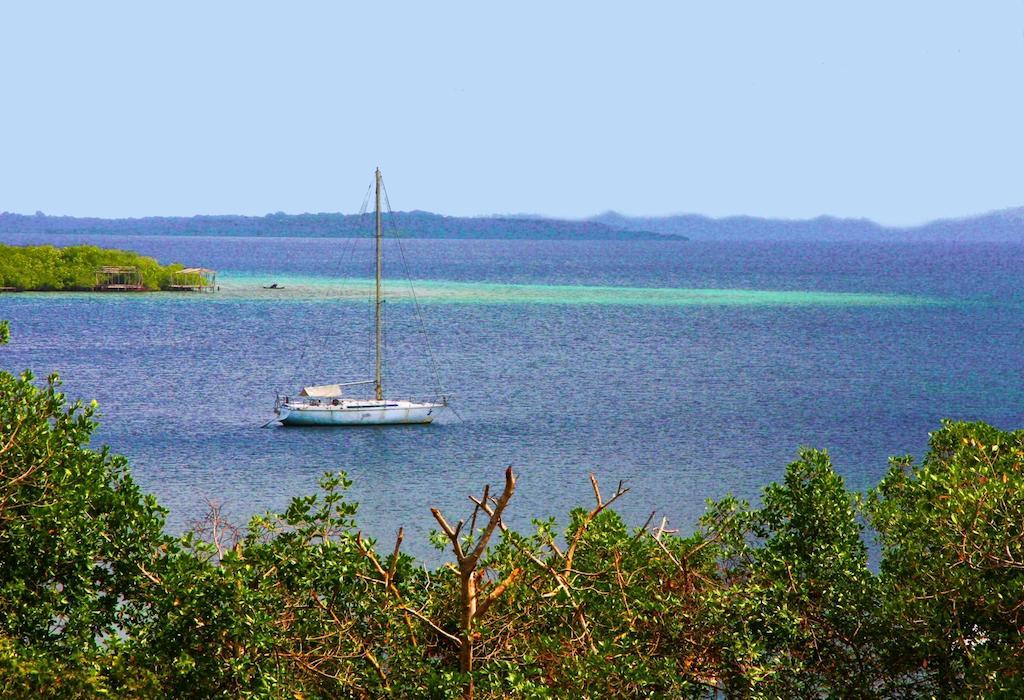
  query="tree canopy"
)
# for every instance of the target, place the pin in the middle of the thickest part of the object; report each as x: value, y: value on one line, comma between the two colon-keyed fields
x: 48, y: 268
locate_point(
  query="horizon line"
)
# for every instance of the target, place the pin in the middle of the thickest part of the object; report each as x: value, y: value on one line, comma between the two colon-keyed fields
x: 593, y: 218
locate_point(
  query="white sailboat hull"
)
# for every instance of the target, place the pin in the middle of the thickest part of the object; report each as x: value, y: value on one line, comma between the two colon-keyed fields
x: 357, y: 412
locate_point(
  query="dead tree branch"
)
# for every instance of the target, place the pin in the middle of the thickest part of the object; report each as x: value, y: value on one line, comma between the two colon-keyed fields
x: 472, y: 602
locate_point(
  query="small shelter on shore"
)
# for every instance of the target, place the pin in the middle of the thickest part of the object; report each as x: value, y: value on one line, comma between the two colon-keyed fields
x: 194, y: 279
x: 118, y: 279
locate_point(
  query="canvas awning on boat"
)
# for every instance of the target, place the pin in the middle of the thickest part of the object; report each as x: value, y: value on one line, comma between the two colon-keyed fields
x: 320, y: 392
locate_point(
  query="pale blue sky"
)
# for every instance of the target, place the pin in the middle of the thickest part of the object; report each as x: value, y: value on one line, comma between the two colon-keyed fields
x: 897, y: 111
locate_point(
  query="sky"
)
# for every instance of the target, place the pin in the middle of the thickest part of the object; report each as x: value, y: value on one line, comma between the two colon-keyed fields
x: 901, y: 112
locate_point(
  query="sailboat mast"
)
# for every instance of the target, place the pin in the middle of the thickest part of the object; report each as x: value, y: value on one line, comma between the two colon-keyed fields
x: 377, y: 320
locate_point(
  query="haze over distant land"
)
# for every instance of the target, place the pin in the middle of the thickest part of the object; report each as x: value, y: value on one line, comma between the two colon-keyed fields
x: 1005, y: 225
x: 1002, y: 225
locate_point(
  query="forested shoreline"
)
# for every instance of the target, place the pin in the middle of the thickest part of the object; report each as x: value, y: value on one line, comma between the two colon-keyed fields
x: 47, y: 268
x: 407, y: 224
x: 767, y: 601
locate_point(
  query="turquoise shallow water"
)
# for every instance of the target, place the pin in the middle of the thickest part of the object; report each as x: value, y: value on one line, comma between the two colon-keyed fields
x: 248, y: 286
x: 443, y: 291
x: 688, y: 370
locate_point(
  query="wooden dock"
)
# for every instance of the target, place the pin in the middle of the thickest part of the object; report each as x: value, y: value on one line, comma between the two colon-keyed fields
x: 118, y: 279
x: 194, y: 279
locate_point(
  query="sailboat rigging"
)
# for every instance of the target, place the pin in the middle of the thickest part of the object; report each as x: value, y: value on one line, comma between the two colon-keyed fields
x: 327, y: 404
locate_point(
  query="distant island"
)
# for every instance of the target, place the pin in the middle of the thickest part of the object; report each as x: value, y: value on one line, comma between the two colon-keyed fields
x: 413, y: 224
x: 1005, y: 225
x: 46, y: 268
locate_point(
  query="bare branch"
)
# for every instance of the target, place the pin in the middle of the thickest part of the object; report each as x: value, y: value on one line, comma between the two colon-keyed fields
x: 497, y: 591
x: 376, y: 667
x: 683, y: 569
x: 601, y: 505
x: 620, y: 491
x: 482, y: 505
x: 641, y: 531
x: 443, y: 523
x: 14, y: 433
x: 563, y: 584
x: 495, y: 517
x: 216, y: 529
x: 665, y: 549
x: 151, y: 576
x: 472, y: 522
x: 451, y: 637
x: 394, y: 556
x: 452, y: 533
x: 663, y: 528
x: 469, y: 596
x: 388, y: 576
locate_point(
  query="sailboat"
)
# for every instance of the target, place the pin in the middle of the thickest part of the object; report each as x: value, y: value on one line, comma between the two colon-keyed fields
x: 328, y: 405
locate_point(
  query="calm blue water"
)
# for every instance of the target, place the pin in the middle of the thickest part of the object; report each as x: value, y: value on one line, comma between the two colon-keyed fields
x: 683, y: 394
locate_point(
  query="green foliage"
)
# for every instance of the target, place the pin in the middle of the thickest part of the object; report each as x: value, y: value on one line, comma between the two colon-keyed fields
x: 796, y: 615
x: 77, y: 540
x: 953, y: 565
x: 76, y: 535
x: 47, y: 268
x: 615, y: 612
x: 289, y: 607
x: 775, y: 601
x: 27, y: 672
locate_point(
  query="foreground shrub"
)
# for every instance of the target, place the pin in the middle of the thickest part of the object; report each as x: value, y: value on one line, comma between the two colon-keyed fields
x: 952, y: 534
x: 78, y: 541
x: 295, y: 605
x: 796, y: 614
